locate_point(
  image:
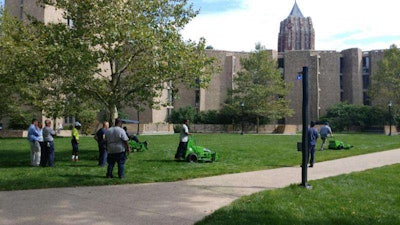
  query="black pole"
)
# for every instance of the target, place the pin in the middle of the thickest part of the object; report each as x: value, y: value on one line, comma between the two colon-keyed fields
x: 242, y: 104
x: 137, y: 132
x: 390, y: 119
x: 305, y: 137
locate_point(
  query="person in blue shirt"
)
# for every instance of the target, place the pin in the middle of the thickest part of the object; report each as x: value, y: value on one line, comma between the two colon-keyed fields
x: 33, y: 138
x: 101, y: 143
x: 312, y: 141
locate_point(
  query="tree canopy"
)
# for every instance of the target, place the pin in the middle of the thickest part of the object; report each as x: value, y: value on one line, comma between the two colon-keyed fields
x: 260, y: 87
x: 386, y: 82
x: 110, y: 54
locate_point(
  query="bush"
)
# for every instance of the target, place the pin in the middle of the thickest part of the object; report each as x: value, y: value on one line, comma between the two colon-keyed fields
x: 344, y: 116
x: 177, y: 116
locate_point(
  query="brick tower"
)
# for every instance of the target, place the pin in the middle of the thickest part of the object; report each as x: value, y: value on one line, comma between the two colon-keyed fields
x: 296, y: 32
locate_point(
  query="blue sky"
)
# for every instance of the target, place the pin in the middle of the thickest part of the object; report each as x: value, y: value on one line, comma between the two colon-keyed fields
x: 237, y: 25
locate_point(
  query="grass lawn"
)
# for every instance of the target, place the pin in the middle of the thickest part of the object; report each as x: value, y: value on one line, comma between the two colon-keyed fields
x: 237, y: 154
x: 362, y: 198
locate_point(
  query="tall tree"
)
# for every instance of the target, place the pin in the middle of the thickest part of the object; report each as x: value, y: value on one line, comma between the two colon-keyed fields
x: 385, y: 83
x: 36, y: 70
x: 137, y: 45
x: 260, y: 87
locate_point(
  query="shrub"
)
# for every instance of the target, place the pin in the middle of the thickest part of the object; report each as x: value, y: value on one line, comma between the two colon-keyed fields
x: 344, y: 116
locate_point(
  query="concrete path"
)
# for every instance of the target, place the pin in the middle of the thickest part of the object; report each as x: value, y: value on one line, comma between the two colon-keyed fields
x: 174, y: 203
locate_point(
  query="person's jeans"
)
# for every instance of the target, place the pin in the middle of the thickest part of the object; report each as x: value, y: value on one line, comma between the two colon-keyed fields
x: 118, y: 158
x: 102, y: 154
x: 311, y: 149
x: 48, y: 154
x: 50, y: 148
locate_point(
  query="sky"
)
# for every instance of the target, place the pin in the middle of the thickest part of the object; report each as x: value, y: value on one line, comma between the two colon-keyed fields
x: 237, y: 25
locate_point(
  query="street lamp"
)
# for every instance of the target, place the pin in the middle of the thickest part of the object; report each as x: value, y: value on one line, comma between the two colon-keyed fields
x: 138, y: 114
x: 390, y: 117
x: 242, y: 105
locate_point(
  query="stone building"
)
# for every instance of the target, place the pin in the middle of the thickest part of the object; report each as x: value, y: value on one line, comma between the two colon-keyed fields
x: 296, y: 32
x: 333, y: 76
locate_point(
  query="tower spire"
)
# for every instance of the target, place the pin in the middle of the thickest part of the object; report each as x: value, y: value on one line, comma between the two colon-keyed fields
x: 296, y: 11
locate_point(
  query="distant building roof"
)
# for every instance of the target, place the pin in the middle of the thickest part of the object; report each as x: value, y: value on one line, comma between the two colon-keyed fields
x: 296, y: 11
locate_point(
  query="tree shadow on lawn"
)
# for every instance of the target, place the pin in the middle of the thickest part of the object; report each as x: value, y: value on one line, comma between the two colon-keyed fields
x: 165, y: 161
x: 9, y: 158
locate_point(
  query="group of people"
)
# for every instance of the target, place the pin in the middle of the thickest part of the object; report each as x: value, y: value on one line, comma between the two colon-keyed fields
x: 41, y: 140
x: 112, y: 143
x: 324, y: 132
x: 41, y: 143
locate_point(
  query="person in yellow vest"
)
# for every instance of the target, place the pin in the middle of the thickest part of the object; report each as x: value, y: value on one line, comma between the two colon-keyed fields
x: 75, y: 141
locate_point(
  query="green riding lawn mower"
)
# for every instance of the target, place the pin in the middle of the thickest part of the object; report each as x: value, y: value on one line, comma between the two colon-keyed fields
x: 195, y: 153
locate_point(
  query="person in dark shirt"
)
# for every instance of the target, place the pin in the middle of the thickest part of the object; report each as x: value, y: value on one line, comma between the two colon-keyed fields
x: 101, y: 142
x: 312, y: 141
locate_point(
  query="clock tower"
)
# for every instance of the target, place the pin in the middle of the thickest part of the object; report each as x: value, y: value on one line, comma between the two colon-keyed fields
x: 296, y: 32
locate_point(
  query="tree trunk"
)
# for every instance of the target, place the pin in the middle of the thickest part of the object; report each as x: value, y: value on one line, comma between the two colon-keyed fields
x: 112, y: 114
x: 258, y: 123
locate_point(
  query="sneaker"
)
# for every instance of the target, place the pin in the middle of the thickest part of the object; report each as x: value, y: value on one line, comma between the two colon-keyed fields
x: 311, y: 166
x: 109, y: 176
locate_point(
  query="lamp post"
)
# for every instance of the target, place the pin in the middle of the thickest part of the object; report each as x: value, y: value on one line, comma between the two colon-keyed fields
x: 390, y: 117
x: 305, y: 136
x: 242, y: 105
x: 138, y: 113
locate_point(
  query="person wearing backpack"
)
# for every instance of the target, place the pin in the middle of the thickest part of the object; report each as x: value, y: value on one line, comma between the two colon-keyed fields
x: 312, y: 141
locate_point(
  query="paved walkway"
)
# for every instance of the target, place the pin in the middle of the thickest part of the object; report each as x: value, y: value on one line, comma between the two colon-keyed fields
x: 175, y: 203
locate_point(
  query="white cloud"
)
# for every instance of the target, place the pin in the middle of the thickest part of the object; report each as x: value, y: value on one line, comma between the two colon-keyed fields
x: 338, y: 25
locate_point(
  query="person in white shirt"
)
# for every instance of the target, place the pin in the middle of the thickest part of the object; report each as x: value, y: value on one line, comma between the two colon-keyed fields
x: 183, y: 141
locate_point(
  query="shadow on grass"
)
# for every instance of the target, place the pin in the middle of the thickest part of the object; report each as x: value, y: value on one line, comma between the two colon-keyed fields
x: 83, y: 176
x: 164, y: 161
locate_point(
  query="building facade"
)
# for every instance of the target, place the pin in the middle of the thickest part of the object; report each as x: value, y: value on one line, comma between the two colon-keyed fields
x: 333, y: 76
x: 296, y: 32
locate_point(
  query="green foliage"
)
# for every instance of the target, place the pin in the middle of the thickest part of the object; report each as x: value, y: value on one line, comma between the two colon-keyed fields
x: 260, y: 87
x: 386, y: 82
x: 237, y: 154
x: 343, y: 116
x: 20, y: 119
x: 178, y: 116
x: 117, y: 54
x: 140, y: 45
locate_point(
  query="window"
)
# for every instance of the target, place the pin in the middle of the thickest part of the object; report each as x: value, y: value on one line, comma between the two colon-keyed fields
x: 341, y: 64
x: 197, y: 98
x: 366, y: 99
x: 366, y: 81
x: 69, y: 120
x: 365, y: 64
x: 341, y: 81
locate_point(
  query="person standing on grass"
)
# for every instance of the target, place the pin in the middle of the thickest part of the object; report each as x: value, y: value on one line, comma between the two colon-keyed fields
x: 33, y: 137
x: 41, y: 143
x: 101, y: 142
x: 312, y: 141
x: 75, y: 141
x: 48, y: 134
x: 183, y: 141
x: 325, y: 131
x: 117, y: 144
